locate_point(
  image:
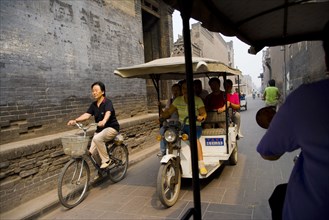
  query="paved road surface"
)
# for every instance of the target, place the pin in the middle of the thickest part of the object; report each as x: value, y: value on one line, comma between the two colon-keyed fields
x: 233, y: 192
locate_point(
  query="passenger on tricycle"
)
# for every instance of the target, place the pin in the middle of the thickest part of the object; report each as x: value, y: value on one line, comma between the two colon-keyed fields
x: 234, y: 104
x: 215, y: 105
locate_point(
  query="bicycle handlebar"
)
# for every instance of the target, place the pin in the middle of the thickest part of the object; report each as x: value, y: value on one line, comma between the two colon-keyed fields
x: 85, y: 128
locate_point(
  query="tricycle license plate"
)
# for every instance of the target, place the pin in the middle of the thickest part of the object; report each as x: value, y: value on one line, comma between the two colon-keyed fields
x: 214, y: 141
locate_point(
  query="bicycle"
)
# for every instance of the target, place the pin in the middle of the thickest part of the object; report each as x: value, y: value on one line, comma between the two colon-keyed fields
x: 74, y: 178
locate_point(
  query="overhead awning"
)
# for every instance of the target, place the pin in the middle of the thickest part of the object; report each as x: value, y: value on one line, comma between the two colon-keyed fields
x: 261, y: 23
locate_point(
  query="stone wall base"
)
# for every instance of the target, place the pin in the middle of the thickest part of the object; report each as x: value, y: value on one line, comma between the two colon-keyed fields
x: 30, y: 168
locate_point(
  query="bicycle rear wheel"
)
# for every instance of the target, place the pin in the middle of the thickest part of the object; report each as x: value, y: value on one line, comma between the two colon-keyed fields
x: 73, y: 182
x: 119, y: 155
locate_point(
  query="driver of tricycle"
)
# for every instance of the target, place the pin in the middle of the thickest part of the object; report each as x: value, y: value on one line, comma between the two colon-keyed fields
x: 180, y: 105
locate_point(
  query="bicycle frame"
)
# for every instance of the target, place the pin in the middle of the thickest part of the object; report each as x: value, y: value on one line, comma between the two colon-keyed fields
x: 74, y: 179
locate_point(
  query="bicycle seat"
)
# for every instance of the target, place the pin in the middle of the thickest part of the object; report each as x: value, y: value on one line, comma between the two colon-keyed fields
x: 118, y: 140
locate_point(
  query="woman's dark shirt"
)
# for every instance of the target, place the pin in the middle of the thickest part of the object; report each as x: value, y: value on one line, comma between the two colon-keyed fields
x: 99, y: 113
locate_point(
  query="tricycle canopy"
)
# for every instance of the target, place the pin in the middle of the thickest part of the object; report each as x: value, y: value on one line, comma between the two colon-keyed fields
x: 173, y: 68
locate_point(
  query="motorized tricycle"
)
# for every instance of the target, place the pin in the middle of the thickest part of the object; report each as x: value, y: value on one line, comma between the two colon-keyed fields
x: 176, y: 164
x: 218, y: 144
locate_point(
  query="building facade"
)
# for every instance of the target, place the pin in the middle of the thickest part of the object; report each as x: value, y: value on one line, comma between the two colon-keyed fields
x: 53, y: 50
x: 293, y: 65
x: 210, y: 45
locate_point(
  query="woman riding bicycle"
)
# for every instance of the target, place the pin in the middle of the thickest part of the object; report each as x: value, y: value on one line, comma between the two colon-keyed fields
x: 107, y: 124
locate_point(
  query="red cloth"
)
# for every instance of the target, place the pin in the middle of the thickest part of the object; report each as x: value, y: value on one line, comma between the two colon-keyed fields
x: 233, y: 98
x: 214, y: 102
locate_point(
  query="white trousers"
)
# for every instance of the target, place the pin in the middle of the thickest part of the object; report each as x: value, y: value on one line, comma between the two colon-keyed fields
x: 236, y: 118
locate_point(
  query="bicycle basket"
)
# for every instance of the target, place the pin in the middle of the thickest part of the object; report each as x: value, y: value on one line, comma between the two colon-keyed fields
x: 75, y: 145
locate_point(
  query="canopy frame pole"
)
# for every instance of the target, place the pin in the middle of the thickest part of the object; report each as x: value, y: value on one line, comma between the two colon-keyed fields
x: 227, y: 114
x: 239, y: 91
x: 186, y: 8
x: 156, y: 82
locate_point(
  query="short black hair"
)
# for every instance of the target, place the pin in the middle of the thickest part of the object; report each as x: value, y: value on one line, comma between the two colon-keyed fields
x: 228, y: 82
x: 181, y: 82
x: 271, y: 82
x: 176, y: 85
x: 197, y: 81
x: 214, y: 79
x: 101, y: 85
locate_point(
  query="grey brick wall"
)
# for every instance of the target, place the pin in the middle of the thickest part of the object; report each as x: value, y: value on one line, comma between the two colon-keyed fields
x: 53, y: 50
x: 304, y: 63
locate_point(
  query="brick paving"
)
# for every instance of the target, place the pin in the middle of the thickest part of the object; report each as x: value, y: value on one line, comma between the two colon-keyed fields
x: 232, y: 192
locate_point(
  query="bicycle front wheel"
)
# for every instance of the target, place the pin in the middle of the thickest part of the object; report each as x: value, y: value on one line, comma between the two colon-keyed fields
x: 120, y: 158
x: 73, y: 182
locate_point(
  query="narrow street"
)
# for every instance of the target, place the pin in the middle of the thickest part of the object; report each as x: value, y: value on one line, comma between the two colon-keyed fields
x: 233, y: 192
